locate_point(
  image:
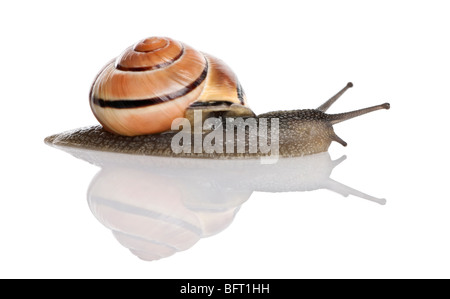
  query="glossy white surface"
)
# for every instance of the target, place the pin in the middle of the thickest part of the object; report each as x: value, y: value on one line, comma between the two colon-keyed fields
x: 287, y: 56
x: 158, y: 206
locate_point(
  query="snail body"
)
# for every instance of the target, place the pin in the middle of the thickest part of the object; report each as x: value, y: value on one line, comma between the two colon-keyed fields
x: 139, y: 97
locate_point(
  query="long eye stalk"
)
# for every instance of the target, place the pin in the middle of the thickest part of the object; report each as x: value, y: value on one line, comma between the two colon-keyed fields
x: 337, y: 118
x: 324, y: 107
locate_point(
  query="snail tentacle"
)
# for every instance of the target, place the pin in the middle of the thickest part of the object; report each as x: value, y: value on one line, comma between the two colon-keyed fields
x: 340, y: 117
x: 338, y: 139
x: 324, y: 107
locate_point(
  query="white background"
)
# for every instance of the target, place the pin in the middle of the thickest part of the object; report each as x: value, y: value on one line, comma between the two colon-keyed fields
x: 288, y: 55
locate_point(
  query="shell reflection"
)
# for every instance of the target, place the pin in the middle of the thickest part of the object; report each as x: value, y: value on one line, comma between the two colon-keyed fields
x: 157, y: 215
x: 158, y: 206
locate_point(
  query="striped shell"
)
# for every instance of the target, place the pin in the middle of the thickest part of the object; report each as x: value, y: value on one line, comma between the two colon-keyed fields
x: 154, y: 82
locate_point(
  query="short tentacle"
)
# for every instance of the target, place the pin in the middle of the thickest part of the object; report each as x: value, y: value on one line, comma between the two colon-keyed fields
x: 338, y: 139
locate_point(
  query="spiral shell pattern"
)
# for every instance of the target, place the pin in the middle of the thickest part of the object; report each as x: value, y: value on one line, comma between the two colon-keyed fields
x: 154, y: 81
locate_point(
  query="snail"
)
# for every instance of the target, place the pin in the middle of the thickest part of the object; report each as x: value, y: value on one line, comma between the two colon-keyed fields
x: 161, y: 97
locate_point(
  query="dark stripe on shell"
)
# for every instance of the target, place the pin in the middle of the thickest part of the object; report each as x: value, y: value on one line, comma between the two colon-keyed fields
x: 240, y: 93
x: 126, y: 104
x: 151, y: 67
x: 211, y: 104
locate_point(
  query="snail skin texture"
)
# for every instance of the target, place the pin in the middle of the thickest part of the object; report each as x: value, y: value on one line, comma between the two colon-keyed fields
x: 137, y: 96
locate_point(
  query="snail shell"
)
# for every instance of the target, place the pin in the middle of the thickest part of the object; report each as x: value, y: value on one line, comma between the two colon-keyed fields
x: 155, y: 81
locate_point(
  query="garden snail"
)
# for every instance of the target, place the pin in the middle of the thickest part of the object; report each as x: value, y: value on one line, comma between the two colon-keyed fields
x: 137, y: 97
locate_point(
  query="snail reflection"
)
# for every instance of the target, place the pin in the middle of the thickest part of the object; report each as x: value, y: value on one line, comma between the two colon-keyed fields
x: 157, y: 206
